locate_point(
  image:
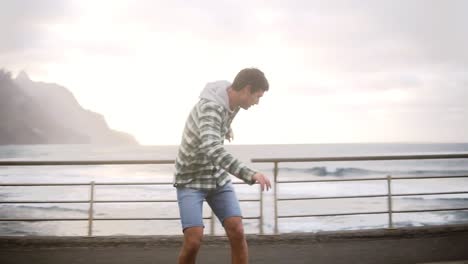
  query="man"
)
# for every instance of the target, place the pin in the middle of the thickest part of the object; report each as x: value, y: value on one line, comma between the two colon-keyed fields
x: 203, y: 165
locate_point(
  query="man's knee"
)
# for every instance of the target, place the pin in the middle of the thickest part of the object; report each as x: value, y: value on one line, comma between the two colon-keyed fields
x: 193, y: 238
x: 234, y: 227
x: 192, y: 244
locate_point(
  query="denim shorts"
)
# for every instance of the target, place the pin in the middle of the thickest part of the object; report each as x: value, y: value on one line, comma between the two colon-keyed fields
x: 223, y: 201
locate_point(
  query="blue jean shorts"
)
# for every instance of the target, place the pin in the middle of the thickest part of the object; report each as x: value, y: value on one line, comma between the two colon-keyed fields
x: 223, y: 201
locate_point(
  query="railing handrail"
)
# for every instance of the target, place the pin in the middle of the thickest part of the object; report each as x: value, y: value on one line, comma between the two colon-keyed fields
x: 257, y: 160
x: 363, y: 158
x: 377, y: 179
x: 82, y: 162
x: 30, y: 184
x: 26, y: 184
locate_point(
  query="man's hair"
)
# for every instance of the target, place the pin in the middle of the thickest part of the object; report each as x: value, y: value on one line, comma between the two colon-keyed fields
x: 250, y: 76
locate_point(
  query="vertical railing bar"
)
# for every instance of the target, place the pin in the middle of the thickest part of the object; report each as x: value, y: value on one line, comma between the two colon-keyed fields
x: 261, y: 210
x: 91, y: 209
x: 275, y: 194
x: 212, y: 223
x: 390, y: 203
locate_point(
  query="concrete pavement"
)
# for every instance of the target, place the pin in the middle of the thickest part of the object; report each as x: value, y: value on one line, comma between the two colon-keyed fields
x: 408, y: 245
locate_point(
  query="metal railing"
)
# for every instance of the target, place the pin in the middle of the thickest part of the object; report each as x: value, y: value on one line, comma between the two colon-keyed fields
x: 92, y: 189
x: 389, y: 195
x: 276, y: 161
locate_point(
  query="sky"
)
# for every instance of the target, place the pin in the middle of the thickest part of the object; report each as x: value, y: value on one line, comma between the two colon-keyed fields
x: 339, y: 71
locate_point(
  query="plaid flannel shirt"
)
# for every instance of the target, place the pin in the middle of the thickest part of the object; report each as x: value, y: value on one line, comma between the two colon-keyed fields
x: 202, y: 161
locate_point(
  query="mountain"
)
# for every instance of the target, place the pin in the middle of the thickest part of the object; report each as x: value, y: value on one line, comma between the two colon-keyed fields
x: 45, y: 113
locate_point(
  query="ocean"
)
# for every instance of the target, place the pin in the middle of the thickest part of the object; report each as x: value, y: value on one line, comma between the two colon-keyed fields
x: 287, y: 171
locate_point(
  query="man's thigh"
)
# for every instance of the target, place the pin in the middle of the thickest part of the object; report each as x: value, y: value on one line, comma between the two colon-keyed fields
x: 190, y: 207
x: 224, y: 202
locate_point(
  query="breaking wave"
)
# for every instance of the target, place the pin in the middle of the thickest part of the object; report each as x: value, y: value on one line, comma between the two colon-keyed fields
x: 351, y: 171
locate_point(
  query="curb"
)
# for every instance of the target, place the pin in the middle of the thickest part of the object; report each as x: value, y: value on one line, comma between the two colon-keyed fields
x: 16, y: 242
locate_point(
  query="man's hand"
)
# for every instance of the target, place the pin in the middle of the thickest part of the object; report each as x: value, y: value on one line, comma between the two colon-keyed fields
x: 262, y: 180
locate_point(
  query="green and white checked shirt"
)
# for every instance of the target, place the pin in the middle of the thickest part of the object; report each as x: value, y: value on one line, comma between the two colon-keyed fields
x: 202, y: 161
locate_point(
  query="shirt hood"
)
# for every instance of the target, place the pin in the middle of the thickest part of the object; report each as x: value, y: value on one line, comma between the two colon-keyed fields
x: 217, y: 92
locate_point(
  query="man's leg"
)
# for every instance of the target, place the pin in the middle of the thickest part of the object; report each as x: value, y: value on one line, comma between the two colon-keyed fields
x: 191, y: 214
x: 192, y: 241
x: 225, y: 205
x: 235, y: 231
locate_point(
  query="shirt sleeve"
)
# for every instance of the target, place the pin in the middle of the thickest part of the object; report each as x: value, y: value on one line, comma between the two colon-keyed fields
x: 210, y: 124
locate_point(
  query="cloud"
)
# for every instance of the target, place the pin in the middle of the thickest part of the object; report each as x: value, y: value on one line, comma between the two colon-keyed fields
x: 394, y: 57
x: 22, y: 21
x: 382, y: 35
x: 335, y: 35
x: 436, y: 28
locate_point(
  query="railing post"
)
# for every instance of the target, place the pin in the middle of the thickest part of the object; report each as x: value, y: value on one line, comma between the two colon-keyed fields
x: 261, y: 210
x: 91, y: 209
x: 212, y: 223
x: 389, y: 200
x: 275, y: 194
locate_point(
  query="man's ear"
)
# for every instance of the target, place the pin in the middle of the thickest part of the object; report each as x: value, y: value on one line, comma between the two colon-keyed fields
x: 248, y: 88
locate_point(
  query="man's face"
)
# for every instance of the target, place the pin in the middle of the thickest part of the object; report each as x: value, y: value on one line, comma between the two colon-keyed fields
x: 248, y: 98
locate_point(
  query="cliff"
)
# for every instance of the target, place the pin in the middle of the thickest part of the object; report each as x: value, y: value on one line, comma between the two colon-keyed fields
x: 45, y: 113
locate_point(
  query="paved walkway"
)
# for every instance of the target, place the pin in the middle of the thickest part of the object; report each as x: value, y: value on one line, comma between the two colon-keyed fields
x: 423, y: 245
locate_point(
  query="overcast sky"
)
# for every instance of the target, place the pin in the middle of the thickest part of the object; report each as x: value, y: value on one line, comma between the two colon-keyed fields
x: 339, y: 71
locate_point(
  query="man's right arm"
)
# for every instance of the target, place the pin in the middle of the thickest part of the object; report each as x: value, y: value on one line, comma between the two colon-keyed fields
x: 210, y: 124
